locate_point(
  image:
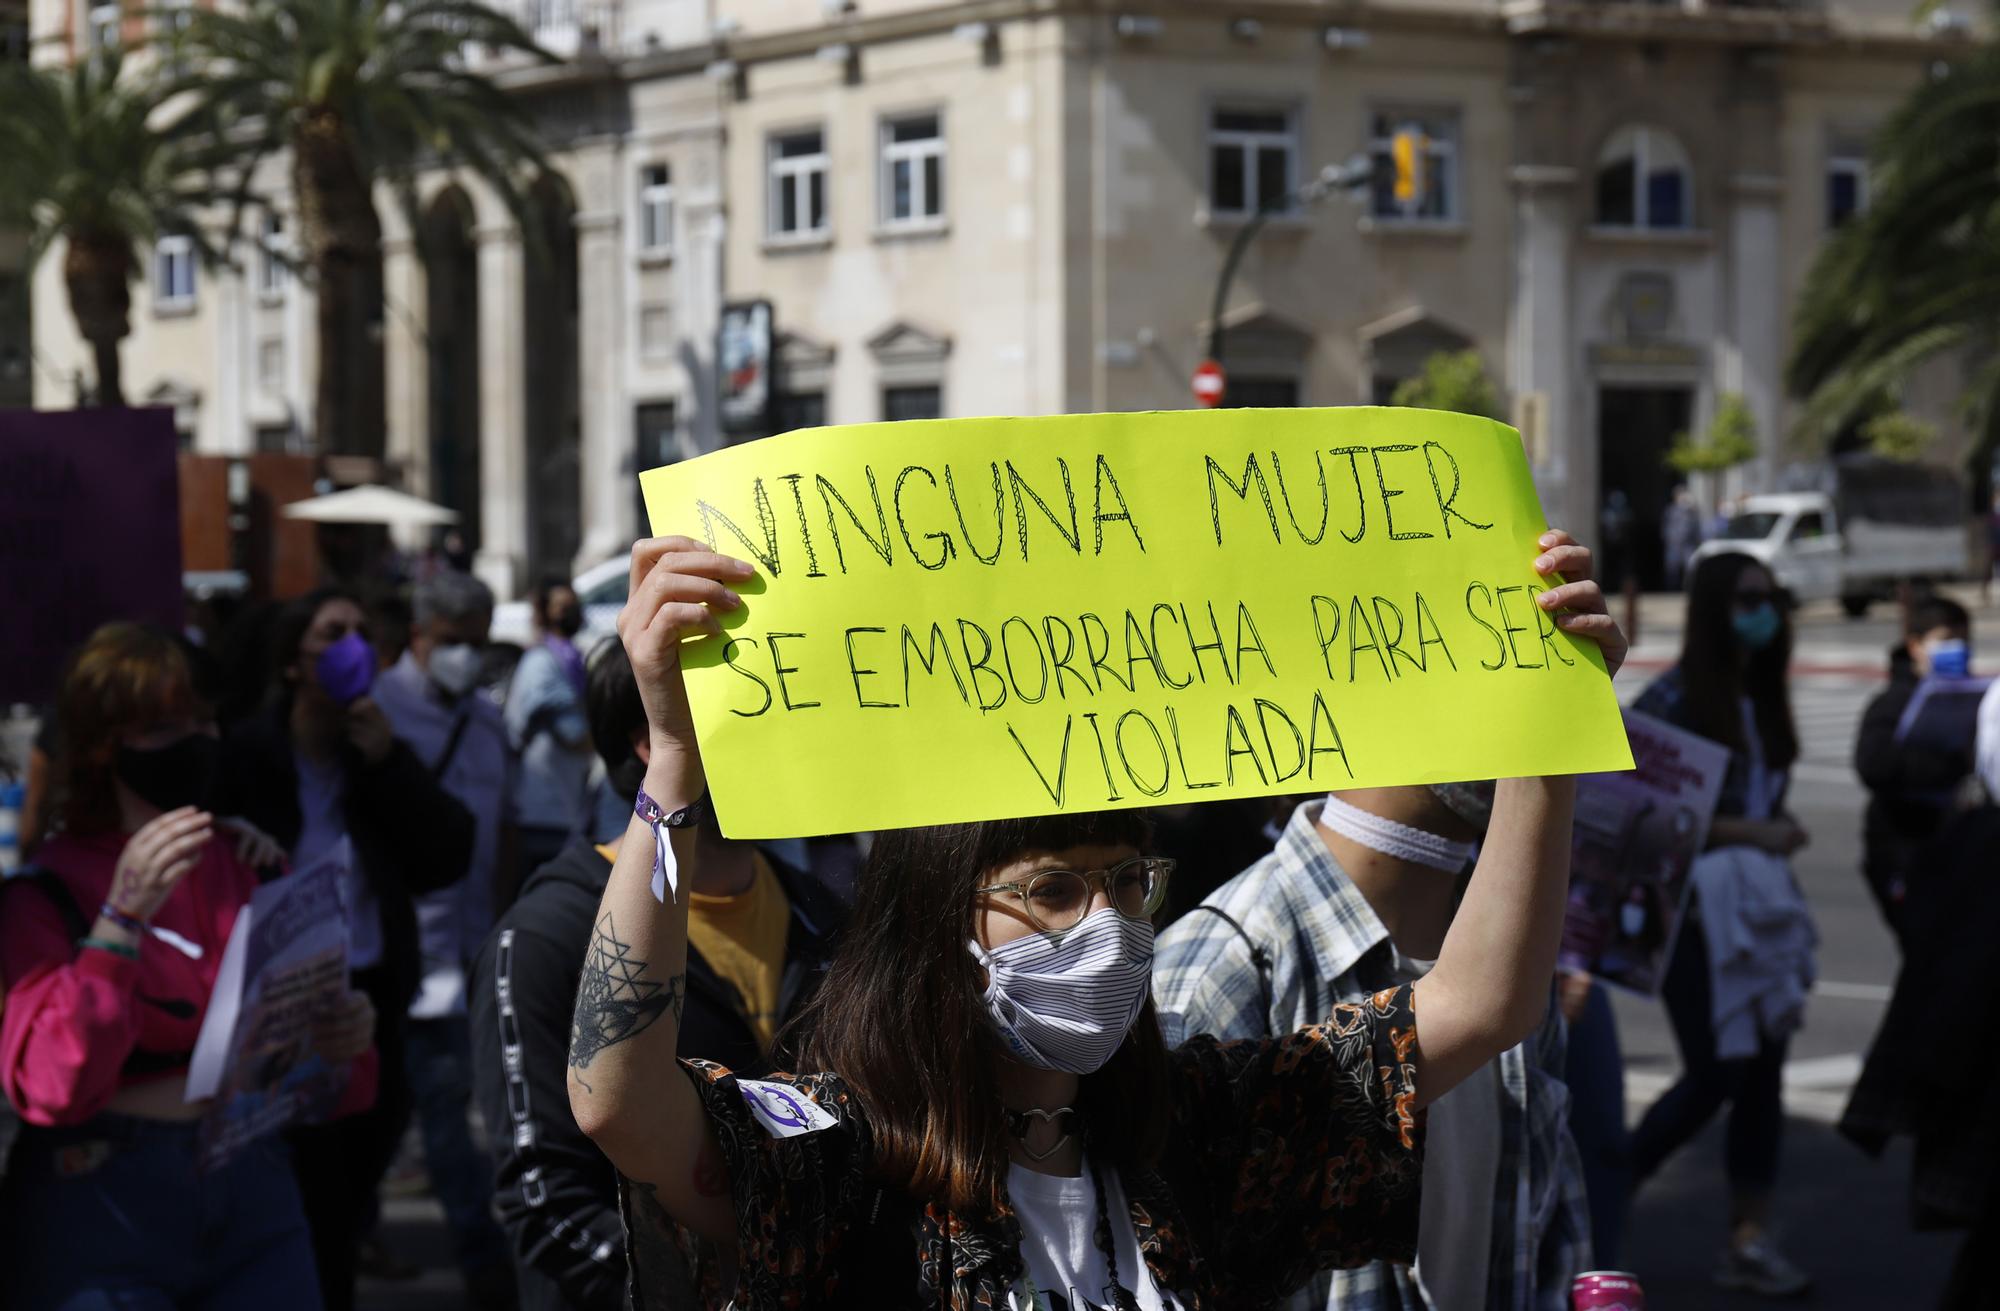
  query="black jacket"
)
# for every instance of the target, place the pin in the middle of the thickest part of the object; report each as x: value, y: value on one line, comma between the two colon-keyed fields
x: 410, y: 836
x: 1933, y: 1071
x: 557, y: 1195
x: 1910, y: 792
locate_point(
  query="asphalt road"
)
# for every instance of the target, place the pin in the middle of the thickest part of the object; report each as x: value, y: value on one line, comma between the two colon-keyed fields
x: 1840, y: 1214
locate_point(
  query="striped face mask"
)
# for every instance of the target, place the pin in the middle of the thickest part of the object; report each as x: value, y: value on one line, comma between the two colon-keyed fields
x: 1067, y: 1004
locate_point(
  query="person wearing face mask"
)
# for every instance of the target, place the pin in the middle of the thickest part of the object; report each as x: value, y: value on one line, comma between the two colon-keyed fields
x: 319, y: 764
x: 759, y: 934
x: 989, y: 1115
x: 1742, y: 964
x: 1358, y: 896
x: 1913, y: 779
x: 432, y: 697
x: 108, y: 955
x: 546, y: 726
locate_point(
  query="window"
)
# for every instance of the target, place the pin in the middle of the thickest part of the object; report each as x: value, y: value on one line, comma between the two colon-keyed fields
x: 270, y: 365
x: 104, y: 22
x: 912, y: 403
x: 271, y: 259
x: 173, y: 272
x: 912, y: 172
x: 1811, y: 526
x: 1846, y: 188
x: 657, y: 443
x: 656, y: 210
x: 1436, y: 198
x: 1261, y: 393
x: 1643, y: 181
x: 803, y: 409
x: 798, y: 184
x: 1250, y: 160
x: 656, y: 332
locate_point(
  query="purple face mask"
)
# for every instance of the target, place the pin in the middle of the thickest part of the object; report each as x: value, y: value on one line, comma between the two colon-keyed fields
x: 346, y: 669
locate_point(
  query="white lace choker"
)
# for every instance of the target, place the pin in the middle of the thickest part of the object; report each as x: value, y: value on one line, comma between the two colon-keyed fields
x: 1394, y: 839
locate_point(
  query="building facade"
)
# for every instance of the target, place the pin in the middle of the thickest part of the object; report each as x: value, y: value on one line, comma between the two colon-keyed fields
x: 1022, y: 206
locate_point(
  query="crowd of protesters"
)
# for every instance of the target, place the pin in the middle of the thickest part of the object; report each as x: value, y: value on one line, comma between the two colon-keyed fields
x: 962, y: 1072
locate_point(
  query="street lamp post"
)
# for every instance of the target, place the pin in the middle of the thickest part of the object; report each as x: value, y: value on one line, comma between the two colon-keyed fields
x: 1351, y: 178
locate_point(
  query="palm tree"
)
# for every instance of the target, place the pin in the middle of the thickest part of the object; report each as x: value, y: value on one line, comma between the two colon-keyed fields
x: 359, y: 91
x: 85, y: 159
x: 1918, y: 275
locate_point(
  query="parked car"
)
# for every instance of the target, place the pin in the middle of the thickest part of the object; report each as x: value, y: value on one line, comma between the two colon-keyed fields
x: 1884, y: 523
x: 601, y: 588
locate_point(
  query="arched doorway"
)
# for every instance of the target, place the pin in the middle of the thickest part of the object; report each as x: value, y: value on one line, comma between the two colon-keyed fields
x: 549, y: 381
x: 451, y: 340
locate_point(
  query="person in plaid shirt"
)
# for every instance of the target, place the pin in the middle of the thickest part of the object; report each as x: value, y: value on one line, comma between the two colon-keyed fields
x: 1355, y: 898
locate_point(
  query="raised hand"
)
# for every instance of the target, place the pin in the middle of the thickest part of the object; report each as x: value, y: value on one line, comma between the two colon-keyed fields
x: 156, y: 859
x: 679, y: 588
x: 1578, y: 602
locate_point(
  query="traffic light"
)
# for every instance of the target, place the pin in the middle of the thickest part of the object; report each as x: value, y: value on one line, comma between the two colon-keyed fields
x: 1407, y: 150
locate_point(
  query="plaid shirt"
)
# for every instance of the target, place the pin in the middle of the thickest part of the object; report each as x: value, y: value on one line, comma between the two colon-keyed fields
x: 1326, y: 943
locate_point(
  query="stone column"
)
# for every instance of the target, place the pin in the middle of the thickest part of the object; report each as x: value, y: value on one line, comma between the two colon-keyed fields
x: 503, y: 433
x: 1541, y: 351
x: 406, y: 361
x: 1756, y: 317
x: 605, y: 464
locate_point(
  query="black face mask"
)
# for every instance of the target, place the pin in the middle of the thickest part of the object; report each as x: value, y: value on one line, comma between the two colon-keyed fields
x: 567, y: 622
x: 181, y: 773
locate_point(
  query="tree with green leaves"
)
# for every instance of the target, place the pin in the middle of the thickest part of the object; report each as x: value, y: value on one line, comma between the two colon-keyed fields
x: 89, y: 158
x: 1917, y: 276
x: 358, y: 92
x: 1452, y: 380
x: 1731, y: 440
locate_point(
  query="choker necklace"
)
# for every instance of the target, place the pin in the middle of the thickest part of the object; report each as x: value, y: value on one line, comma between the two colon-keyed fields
x: 1394, y: 839
x: 1018, y: 1123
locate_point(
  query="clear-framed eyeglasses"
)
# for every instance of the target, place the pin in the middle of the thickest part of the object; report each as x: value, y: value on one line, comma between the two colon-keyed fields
x: 1057, y: 899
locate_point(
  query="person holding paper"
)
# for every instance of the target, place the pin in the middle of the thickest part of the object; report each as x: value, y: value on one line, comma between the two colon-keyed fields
x: 321, y: 764
x: 1737, y: 979
x: 1357, y: 897
x: 1913, y: 773
x: 107, y: 959
x: 992, y: 1117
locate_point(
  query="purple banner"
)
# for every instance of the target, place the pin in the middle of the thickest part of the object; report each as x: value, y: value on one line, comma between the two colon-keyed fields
x: 89, y: 532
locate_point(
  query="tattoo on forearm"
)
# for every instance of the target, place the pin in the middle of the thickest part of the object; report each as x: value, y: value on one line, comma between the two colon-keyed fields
x: 614, y: 1001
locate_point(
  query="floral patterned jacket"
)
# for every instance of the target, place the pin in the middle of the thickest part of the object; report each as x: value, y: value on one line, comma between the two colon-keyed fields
x: 1289, y: 1156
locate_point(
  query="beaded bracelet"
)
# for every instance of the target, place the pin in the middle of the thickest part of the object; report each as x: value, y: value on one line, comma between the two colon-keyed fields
x: 125, y: 949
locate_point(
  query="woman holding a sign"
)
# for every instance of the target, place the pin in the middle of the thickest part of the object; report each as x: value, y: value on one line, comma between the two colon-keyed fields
x: 992, y: 1119
x: 108, y: 956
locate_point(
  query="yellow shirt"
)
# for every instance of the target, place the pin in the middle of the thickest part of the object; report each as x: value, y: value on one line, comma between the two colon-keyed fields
x: 743, y: 939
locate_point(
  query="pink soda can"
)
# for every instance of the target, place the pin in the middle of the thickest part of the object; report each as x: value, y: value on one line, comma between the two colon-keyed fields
x: 1606, y: 1290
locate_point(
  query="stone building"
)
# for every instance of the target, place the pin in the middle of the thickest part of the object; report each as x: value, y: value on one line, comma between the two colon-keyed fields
x: 1021, y: 206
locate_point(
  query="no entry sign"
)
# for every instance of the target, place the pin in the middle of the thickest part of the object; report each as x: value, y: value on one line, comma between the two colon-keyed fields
x: 1208, y: 383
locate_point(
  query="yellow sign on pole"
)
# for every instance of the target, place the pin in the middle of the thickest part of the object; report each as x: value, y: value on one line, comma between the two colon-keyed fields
x: 966, y: 619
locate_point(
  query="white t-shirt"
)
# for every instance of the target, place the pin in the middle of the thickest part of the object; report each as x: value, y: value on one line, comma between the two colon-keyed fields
x: 1066, y: 1271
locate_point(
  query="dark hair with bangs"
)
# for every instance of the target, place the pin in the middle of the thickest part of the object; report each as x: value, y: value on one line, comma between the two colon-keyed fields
x: 125, y: 676
x: 902, y: 1014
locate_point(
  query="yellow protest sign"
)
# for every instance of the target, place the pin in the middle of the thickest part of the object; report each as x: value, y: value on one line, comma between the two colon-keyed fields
x: 967, y: 619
